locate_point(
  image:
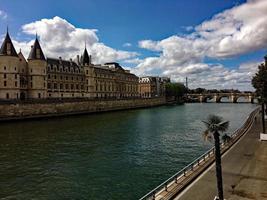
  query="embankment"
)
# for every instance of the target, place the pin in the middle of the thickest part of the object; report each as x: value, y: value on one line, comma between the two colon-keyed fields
x: 28, y: 110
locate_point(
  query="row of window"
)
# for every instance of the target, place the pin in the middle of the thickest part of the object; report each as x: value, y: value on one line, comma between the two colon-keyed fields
x: 57, y: 68
x: 65, y: 77
x: 61, y: 86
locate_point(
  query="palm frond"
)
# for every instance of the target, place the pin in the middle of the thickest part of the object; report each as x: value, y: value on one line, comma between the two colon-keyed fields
x: 223, y: 126
x: 214, y: 119
x: 207, y: 136
x: 207, y: 124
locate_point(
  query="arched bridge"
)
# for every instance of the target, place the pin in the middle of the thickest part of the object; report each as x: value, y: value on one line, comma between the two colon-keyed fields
x: 233, y: 97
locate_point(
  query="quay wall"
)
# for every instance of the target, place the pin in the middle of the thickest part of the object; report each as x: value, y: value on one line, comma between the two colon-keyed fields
x: 42, y: 109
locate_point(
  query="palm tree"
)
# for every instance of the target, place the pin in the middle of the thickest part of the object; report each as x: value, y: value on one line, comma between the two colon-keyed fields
x: 215, y: 125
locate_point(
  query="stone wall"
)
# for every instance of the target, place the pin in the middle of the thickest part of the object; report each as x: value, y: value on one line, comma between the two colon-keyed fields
x: 36, y: 110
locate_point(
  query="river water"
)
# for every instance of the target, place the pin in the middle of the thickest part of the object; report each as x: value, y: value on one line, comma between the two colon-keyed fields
x: 116, y: 155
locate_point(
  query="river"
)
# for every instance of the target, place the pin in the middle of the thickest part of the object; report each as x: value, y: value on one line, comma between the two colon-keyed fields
x: 116, y: 155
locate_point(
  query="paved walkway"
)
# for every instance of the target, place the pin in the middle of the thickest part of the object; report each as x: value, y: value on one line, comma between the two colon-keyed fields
x: 244, y: 172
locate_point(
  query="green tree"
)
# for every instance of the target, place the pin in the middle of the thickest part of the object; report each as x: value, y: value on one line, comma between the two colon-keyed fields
x: 176, y: 90
x: 259, y: 82
x: 215, y: 125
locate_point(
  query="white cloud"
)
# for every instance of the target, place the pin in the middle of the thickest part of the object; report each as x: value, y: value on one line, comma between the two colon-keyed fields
x: 58, y: 37
x: 127, y: 44
x: 236, y: 31
x: 3, y: 14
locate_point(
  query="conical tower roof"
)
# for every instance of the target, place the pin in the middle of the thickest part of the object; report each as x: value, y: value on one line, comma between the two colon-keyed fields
x: 85, y: 58
x: 36, y: 51
x: 7, y: 48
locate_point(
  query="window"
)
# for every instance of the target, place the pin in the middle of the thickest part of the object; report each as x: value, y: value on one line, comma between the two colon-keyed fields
x: 7, y: 95
x: 48, y: 85
x: 5, y: 83
x: 39, y: 95
x: 61, y: 86
x: 86, y: 71
x: 67, y: 86
x: 4, y: 67
x: 38, y: 54
x: 4, y: 75
x: 15, y: 69
x: 55, y: 86
x: 16, y: 83
x: 15, y: 76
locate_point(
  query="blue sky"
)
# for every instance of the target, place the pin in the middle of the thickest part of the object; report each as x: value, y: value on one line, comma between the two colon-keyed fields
x: 151, y: 37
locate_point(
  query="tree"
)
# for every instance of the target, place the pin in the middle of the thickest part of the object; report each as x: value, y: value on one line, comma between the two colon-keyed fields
x: 259, y: 82
x: 214, y: 126
x: 176, y: 90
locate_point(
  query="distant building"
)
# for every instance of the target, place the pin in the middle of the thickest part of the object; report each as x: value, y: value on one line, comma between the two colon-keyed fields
x: 39, y: 77
x: 152, y: 86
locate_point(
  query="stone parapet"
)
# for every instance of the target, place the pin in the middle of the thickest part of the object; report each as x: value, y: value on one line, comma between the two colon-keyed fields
x: 38, y: 110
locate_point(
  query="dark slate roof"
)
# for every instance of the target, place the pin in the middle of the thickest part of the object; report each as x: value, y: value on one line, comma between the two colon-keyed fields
x: 3, y: 50
x: 21, y: 57
x: 65, y: 63
x: 85, y: 59
x: 117, y: 65
x: 33, y: 54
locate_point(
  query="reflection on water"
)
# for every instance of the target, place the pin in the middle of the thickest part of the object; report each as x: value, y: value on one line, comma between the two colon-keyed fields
x: 117, y: 155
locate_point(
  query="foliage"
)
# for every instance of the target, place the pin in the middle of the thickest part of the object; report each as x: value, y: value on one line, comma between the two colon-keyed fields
x: 226, y: 138
x: 176, y: 90
x: 259, y: 81
x: 214, y: 124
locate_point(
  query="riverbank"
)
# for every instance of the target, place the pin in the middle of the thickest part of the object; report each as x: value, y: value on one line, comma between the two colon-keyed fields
x: 182, y: 179
x: 29, y: 110
x: 244, y: 171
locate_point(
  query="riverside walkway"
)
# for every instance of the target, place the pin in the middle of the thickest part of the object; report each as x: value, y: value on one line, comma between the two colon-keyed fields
x: 244, y: 172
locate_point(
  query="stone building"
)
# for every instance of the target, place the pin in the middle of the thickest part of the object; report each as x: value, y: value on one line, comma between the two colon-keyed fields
x: 39, y: 77
x: 152, y: 86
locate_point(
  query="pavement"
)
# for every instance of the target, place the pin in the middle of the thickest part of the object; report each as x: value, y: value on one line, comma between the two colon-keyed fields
x: 244, y: 172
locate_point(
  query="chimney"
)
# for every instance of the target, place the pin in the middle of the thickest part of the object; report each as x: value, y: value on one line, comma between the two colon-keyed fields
x: 78, y: 59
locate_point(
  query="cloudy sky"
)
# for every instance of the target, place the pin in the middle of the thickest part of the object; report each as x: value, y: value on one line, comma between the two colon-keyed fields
x: 215, y: 43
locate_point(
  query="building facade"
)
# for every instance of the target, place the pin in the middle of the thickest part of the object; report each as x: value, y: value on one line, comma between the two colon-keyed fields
x: 152, y: 86
x: 39, y: 77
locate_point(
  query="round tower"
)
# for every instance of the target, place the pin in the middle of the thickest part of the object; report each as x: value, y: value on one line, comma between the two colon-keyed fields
x: 37, y: 80
x: 9, y: 71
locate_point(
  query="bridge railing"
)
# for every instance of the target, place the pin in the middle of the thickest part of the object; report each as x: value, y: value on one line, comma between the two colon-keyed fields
x: 203, y: 158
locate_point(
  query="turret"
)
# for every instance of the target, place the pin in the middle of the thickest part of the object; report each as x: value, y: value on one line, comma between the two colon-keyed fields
x: 37, y: 83
x: 85, y: 62
x: 7, y: 48
x: 9, y: 70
